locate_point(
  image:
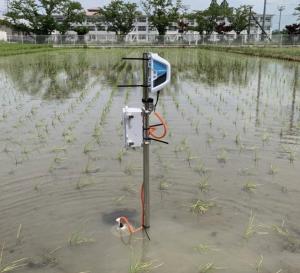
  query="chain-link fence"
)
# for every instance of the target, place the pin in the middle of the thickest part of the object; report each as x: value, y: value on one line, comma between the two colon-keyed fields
x: 147, y: 39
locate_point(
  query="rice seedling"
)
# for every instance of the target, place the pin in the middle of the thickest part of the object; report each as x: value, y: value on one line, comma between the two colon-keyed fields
x: 59, y: 149
x: 237, y: 139
x: 130, y: 188
x: 209, y: 267
x: 70, y: 138
x: 143, y: 266
x: 4, y: 116
x: 222, y: 157
x: 7, y: 149
x: 59, y: 160
x: 203, y: 185
x: 209, y: 139
x: 33, y: 110
x: 163, y: 186
x: 78, y: 238
x: 204, y: 248
x: 120, y: 155
x: 129, y: 170
x: 18, y: 161
x: 272, y: 170
x: 200, y: 206
x: 190, y: 157
x: 201, y: 169
x: 256, y: 157
x: 265, y: 137
x: 88, y: 148
x: 19, y: 234
x: 291, y: 156
x: 12, y: 266
x: 83, y: 183
x: 119, y: 200
x: 250, y: 187
x: 253, y: 228
x: 224, y: 133
x: 210, y: 122
x: 88, y: 168
x: 280, y: 230
x: 259, y: 263
x: 246, y: 172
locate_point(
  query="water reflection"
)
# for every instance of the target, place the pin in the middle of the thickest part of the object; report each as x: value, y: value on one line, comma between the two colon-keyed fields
x: 257, y: 122
x: 295, y: 85
x: 57, y: 75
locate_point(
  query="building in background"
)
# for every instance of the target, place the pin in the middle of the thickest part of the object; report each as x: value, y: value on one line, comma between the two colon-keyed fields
x: 143, y: 31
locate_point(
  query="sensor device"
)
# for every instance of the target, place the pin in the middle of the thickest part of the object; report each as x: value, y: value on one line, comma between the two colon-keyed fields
x: 160, y: 75
x: 133, y: 127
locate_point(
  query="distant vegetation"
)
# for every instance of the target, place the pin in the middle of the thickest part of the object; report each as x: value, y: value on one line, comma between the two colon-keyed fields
x: 285, y: 53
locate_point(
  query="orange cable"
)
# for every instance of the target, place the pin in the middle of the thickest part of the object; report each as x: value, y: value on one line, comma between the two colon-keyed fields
x: 125, y: 220
x: 153, y: 129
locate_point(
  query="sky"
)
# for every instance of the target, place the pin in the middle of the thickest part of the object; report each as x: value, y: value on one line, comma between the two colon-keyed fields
x: 287, y: 15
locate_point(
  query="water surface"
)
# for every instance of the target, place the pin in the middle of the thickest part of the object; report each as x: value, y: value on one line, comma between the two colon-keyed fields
x: 234, y: 144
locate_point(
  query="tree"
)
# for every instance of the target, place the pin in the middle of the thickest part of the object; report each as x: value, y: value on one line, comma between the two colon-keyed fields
x: 161, y: 13
x: 40, y: 16
x: 240, y: 19
x: 222, y: 28
x: 201, y: 20
x: 182, y: 26
x: 298, y: 11
x: 212, y: 15
x: 120, y: 16
x: 81, y: 30
x: 225, y: 10
x: 293, y: 29
x: 72, y: 12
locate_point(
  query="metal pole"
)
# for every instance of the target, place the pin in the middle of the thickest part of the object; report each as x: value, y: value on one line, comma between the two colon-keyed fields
x: 281, y: 9
x: 146, y: 143
x: 249, y: 22
x: 264, y: 15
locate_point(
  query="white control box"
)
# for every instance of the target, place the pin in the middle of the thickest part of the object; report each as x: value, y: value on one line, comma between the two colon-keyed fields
x: 133, y: 127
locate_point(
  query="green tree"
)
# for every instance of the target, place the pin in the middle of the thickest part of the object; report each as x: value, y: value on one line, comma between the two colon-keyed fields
x: 298, y: 12
x: 201, y: 20
x: 212, y: 15
x: 161, y: 13
x: 240, y: 18
x: 120, y: 16
x: 72, y: 13
x: 225, y: 10
x: 40, y: 16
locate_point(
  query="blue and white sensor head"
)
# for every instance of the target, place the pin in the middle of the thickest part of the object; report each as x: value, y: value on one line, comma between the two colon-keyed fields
x: 160, y: 72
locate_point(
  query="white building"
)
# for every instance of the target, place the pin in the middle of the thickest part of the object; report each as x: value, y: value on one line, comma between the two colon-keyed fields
x: 143, y: 31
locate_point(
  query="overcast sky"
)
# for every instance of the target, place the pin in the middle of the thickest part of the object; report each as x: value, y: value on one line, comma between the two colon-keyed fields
x: 287, y: 15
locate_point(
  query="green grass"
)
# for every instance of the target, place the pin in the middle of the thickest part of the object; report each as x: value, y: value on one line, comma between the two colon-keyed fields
x: 285, y: 53
x: 7, y: 49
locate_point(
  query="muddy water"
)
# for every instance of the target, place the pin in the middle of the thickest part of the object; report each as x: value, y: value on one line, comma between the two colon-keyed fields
x: 234, y: 145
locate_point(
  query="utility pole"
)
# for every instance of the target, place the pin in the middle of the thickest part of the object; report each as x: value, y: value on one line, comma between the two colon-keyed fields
x: 280, y: 9
x: 264, y: 15
x: 249, y: 21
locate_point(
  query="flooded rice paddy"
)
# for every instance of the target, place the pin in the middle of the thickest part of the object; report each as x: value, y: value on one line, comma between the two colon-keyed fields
x: 225, y: 193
